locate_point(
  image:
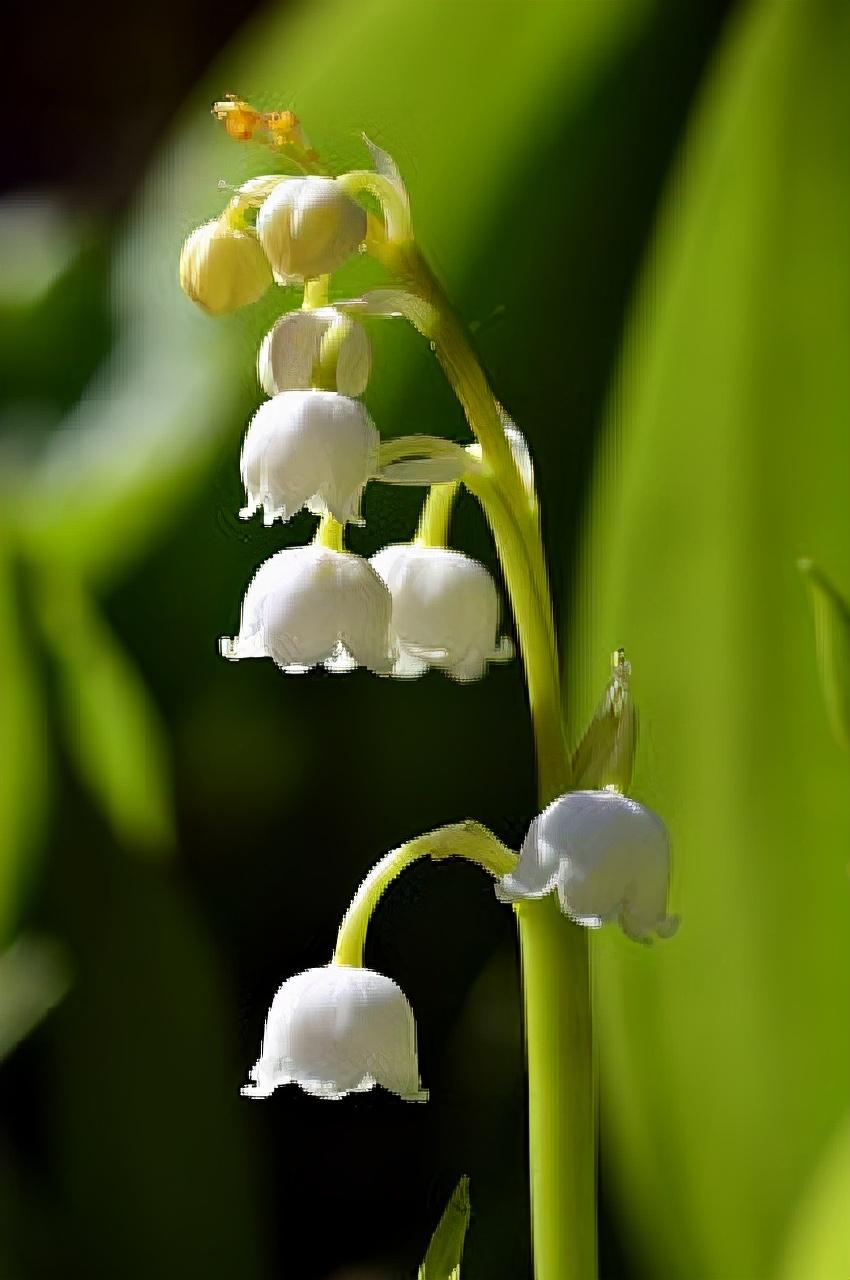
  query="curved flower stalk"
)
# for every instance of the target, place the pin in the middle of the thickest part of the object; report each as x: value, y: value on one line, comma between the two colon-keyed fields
x: 308, y: 606
x: 445, y: 611
x: 339, y: 1030
x: 608, y: 858
x: 292, y: 350
x: 344, y: 1028
x: 308, y: 448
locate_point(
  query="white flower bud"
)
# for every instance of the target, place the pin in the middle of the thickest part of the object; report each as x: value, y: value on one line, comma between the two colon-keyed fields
x: 289, y: 352
x: 308, y: 448
x: 222, y: 269
x: 310, y: 605
x: 339, y: 1030
x: 308, y: 227
x: 608, y: 858
x: 445, y: 611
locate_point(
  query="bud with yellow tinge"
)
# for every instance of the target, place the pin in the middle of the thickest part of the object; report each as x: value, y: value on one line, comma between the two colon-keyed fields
x: 223, y: 268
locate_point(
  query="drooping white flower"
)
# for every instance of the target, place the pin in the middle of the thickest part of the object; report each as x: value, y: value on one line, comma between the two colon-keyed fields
x: 311, y: 605
x: 289, y: 352
x: 222, y: 268
x: 445, y: 611
x: 339, y: 1030
x: 608, y: 858
x: 308, y: 227
x: 313, y: 448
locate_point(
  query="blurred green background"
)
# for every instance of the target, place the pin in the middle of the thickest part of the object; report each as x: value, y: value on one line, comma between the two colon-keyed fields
x: 642, y: 209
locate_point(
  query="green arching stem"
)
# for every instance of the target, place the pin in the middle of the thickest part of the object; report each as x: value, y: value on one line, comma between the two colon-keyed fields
x: 555, y: 956
x: 392, y: 198
x: 541, y: 672
x: 433, y: 528
x: 555, y: 969
x: 468, y: 840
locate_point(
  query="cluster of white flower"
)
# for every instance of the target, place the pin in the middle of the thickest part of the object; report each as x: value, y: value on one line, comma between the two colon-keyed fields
x: 344, y: 1028
x: 315, y: 445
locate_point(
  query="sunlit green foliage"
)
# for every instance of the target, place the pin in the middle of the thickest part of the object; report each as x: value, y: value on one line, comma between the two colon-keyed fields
x: 725, y: 1061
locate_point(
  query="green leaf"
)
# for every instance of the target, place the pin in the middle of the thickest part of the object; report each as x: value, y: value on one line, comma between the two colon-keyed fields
x: 725, y: 1055
x: 819, y: 1244
x: 112, y: 728
x: 443, y: 1259
x: 832, y: 643
x: 152, y: 1151
x: 23, y: 751
x: 34, y: 976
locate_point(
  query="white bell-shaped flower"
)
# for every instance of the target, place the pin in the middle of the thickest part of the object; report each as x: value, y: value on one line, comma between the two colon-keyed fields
x: 308, y: 227
x: 339, y: 1030
x: 608, y: 858
x: 290, y: 351
x: 308, y: 448
x: 445, y: 611
x: 311, y: 605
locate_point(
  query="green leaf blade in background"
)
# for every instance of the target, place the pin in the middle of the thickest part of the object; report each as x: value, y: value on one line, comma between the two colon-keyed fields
x: 23, y: 750
x: 34, y: 976
x: 111, y: 726
x: 818, y: 1246
x: 724, y: 1054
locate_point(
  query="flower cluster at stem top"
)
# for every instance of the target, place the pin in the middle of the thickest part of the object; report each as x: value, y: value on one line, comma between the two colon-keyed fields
x: 312, y: 444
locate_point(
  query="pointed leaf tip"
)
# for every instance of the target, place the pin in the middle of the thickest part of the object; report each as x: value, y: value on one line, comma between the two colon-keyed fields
x: 443, y: 1259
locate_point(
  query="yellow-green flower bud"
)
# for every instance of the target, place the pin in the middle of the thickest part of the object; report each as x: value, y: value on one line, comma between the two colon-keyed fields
x: 222, y: 268
x: 308, y: 227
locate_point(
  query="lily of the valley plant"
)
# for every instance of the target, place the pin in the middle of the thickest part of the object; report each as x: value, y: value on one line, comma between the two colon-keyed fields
x: 592, y: 856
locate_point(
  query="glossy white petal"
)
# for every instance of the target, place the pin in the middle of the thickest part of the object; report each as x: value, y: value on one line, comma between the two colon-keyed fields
x: 315, y: 448
x: 607, y: 856
x: 311, y: 605
x: 339, y: 1030
x: 445, y: 611
x: 289, y: 352
x: 308, y: 227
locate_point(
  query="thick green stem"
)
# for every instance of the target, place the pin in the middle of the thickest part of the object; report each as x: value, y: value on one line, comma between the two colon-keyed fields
x: 561, y: 1092
x: 555, y: 958
x: 555, y: 973
x: 468, y: 840
x: 541, y: 670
